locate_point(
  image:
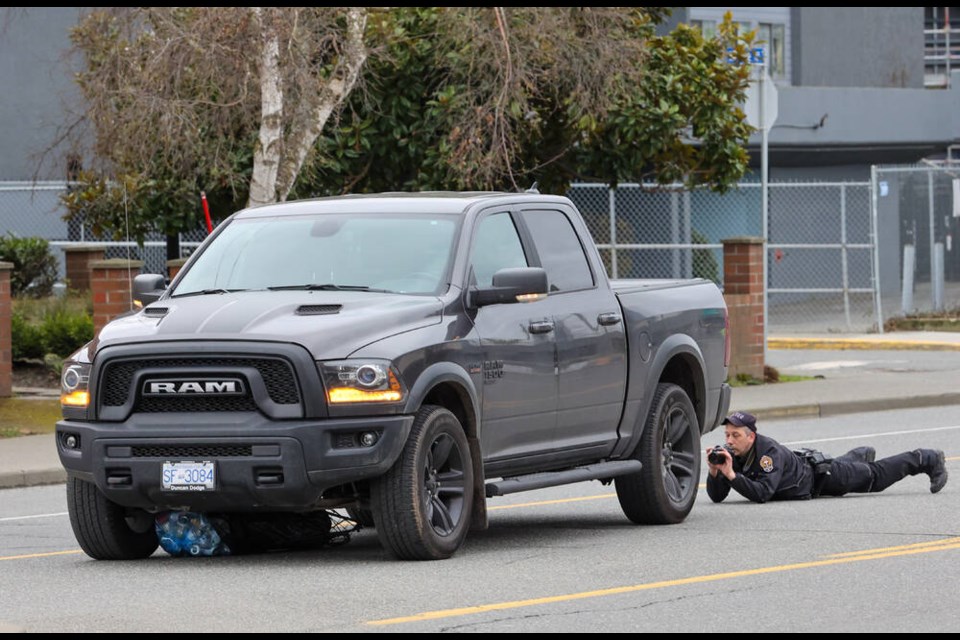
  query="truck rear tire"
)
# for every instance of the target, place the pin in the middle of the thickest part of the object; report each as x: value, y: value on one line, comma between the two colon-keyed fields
x: 664, y: 491
x: 104, y: 529
x: 422, y: 505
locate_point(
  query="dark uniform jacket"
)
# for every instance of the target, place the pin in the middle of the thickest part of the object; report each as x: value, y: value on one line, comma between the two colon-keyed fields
x: 769, y: 471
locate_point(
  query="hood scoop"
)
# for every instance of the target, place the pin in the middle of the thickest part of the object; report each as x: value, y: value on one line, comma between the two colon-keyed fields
x: 155, y: 312
x: 318, y: 309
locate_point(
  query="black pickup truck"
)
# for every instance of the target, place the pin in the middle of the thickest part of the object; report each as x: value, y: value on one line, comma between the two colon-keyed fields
x: 403, y: 357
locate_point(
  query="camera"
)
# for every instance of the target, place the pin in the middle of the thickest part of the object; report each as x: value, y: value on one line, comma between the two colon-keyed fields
x: 716, y: 455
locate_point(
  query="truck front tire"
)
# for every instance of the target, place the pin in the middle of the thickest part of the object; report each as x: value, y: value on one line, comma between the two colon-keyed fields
x: 664, y: 491
x: 422, y: 505
x: 104, y: 529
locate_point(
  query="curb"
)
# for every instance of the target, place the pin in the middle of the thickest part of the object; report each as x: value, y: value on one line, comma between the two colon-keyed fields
x: 855, y: 406
x: 34, y: 478
x: 841, y: 344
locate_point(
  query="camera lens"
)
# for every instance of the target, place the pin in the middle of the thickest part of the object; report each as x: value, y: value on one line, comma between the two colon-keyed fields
x: 716, y: 456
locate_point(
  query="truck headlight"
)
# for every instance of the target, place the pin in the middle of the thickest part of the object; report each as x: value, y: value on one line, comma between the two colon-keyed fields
x: 75, y: 385
x: 349, y: 381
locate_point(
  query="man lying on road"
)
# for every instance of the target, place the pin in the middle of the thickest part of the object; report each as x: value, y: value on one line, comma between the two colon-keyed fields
x: 760, y: 469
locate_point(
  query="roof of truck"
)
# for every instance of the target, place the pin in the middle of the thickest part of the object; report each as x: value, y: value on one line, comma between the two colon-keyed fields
x: 422, y: 202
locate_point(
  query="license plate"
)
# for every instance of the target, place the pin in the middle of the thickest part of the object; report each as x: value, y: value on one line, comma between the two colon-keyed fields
x: 189, y: 476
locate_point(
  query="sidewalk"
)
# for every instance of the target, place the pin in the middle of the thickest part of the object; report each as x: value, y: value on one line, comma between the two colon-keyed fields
x: 859, y: 389
x: 32, y: 460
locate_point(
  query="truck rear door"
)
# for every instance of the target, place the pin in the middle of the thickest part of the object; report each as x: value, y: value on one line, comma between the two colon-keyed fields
x: 591, y: 343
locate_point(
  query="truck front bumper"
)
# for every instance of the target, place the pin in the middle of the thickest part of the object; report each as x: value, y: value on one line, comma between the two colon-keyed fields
x: 286, y: 466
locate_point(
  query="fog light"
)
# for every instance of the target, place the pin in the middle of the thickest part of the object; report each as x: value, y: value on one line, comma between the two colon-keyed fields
x: 369, y: 438
x: 71, y: 441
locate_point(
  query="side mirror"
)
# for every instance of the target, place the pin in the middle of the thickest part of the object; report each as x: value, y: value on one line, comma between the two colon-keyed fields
x: 523, y: 284
x: 147, y: 288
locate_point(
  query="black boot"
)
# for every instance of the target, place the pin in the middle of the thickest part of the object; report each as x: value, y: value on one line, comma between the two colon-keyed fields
x: 935, y: 466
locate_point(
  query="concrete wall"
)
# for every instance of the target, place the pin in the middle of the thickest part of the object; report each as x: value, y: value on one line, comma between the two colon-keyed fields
x: 865, y: 116
x: 36, y: 82
x: 857, y: 46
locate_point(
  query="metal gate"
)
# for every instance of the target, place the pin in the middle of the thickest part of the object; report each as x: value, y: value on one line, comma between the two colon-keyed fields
x: 918, y: 208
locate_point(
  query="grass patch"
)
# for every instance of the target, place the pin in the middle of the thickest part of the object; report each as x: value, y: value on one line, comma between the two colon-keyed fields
x: 36, y: 309
x: 947, y: 320
x: 770, y: 375
x: 26, y: 416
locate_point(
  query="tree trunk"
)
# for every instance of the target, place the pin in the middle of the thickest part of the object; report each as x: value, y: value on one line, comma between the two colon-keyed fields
x: 266, y: 155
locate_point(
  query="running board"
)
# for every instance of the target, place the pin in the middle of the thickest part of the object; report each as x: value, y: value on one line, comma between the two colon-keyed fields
x: 599, y: 471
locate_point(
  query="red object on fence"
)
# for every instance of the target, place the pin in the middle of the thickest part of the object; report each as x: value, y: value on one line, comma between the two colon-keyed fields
x: 206, y: 211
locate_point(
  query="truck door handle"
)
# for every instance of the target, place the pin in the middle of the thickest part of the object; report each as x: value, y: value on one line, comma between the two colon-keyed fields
x: 608, y: 318
x: 544, y: 326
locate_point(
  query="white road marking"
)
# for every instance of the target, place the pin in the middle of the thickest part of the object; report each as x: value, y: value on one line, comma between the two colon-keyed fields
x: 41, y: 515
x: 873, y: 435
x: 833, y: 364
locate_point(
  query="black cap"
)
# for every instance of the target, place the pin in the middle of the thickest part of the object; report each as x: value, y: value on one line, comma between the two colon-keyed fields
x: 741, y: 419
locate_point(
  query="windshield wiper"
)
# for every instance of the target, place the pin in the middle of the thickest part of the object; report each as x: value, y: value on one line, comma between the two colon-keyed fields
x: 326, y: 287
x: 205, y: 292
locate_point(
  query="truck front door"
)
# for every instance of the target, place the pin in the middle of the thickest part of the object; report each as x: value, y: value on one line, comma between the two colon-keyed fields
x: 519, y: 352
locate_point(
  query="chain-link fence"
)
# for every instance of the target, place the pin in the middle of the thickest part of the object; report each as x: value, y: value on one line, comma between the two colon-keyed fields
x: 29, y: 209
x: 841, y: 256
x: 820, y: 258
x: 918, y: 209
x: 820, y: 247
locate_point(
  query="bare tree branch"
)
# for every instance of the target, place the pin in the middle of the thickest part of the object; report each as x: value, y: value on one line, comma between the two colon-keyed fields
x: 304, y: 134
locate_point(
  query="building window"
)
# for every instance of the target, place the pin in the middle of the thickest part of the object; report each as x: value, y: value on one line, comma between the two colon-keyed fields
x: 771, y: 37
x: 941, y: 53
x: 707, y: 27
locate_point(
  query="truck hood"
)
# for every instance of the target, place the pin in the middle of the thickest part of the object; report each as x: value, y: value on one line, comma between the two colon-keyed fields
x: 330, y: 324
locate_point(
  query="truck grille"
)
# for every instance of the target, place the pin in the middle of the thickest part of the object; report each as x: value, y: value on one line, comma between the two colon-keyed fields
x: 192, y: 451
x: 161, y: 405
x: 277, y: 377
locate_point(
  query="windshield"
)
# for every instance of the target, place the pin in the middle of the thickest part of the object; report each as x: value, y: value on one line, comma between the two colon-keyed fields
x: 401, y: 253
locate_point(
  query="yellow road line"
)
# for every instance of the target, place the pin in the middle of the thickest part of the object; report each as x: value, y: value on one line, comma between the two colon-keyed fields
x: 41, y: 555
x: 562, y: 501
x: 916, y: 545
x: 874, y: 554
x: 842, y: 344
x: 546, y: 502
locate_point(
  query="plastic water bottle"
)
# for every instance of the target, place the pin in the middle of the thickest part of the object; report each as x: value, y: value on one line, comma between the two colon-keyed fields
x: 184, y: 533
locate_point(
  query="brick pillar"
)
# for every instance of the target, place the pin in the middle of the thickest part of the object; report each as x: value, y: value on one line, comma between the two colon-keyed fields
x: 743, y: 292
x: 6, y: 339
x: 110, y: 284
x: 78, y: 259
x: 174, y: 266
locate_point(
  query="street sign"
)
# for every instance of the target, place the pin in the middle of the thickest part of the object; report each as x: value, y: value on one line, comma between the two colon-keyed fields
x: 770, y: 101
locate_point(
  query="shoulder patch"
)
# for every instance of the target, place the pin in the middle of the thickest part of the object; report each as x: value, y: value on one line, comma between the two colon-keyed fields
x: 766, y: 463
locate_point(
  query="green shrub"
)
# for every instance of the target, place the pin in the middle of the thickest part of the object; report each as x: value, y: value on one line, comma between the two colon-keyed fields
x: 64, y: 332
x: 57, y: 326
x: 27, y: 338
x: 34, y: 265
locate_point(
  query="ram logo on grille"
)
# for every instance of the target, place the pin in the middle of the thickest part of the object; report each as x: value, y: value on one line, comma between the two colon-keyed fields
x: 196, y: 387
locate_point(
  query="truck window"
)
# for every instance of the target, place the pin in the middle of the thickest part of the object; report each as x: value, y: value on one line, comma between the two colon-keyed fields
x: 402, y: 253
x: 496, y: 246
x: 560, y: 251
